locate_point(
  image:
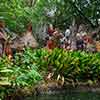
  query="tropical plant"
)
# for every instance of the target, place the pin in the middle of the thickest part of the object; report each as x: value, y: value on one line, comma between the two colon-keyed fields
x: 75, y: 65
x: 18, y: 13
x: 29, y: 67
x: 18, y: 72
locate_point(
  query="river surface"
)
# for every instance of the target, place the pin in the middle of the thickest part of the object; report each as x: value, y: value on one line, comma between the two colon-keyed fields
x: 67, y: 96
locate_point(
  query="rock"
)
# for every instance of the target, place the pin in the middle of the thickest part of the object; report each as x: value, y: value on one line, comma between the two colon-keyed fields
x: 27, y: 40
x: 50, y: 87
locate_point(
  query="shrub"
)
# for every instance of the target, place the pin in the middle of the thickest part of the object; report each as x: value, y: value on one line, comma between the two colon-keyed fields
x: 29, y: 67
x: 76, y: 65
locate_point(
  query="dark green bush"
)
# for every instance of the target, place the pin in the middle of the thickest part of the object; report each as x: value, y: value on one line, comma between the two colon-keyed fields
x: 76, y: 65
x: 29, y: 67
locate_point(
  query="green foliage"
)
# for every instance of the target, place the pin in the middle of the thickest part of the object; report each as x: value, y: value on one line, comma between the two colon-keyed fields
x: 18, y: 13
x: 5, y: 71
x: 21, y: 72
x: 25, y: 68
x: 12, y: 12
x: 67, y: 10
x: 29, y: 67
x: 75, y: 65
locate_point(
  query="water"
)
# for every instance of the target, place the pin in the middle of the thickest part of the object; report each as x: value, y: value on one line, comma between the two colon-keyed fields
x: 67, y: 96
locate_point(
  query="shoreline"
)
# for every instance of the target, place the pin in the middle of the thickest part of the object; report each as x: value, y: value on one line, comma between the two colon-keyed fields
x: 51, y: 90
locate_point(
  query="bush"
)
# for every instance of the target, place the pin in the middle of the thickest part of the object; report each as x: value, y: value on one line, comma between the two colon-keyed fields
x: 20, y: 72
x: 29, y: 67
x: 76, y: 65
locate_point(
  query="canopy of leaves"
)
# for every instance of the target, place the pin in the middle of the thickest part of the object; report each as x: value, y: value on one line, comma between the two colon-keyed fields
x: 17, y: 13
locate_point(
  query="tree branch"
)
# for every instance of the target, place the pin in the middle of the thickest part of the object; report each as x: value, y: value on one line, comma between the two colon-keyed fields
x: 80, y: 13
